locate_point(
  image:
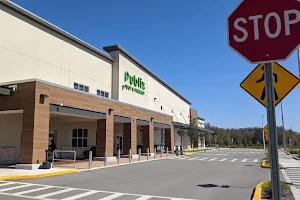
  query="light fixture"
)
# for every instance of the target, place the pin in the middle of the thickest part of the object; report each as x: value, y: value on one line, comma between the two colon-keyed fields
x: 154, y: 98
x: 110, y: 110
x: 161, y: 107
x: 42, y: 98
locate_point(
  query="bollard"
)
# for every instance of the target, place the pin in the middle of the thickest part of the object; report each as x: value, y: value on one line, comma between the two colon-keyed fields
x: 46, y: 151
x: 129, y: 155
x: 105, y: 158
x: 139, y: 154
x: 172, y: 152
x: 119, y: 156
x: 147, y: 153
x: 90, y: 160
x: 167, y: 151
x: 154, y: 152
x: 161, y: 153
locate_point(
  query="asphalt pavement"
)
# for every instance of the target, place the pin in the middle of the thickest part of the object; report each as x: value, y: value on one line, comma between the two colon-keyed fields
x: 223, y: 174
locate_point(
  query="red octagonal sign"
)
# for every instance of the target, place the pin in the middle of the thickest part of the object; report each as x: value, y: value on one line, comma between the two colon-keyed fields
x: 265, y: 30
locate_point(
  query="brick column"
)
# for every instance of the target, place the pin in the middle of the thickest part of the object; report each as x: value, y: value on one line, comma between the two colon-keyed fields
x: 35, y: 132
x: 105, y: 136
x: 169, y: 138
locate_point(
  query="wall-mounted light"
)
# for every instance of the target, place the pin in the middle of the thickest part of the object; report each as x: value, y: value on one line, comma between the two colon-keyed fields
x: 161, y: 107
x: 110, y: 110
x: 155, y: 98
x: 172, y: 111
x: 42, y: 98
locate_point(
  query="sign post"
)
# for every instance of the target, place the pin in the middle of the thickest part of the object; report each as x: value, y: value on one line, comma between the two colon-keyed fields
x: 273, y: 145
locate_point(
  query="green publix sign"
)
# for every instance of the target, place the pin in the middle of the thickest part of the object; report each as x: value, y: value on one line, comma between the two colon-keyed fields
x: 134, y: 83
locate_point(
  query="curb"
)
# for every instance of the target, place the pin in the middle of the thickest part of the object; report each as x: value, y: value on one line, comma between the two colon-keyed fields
x: 257, y: 192
x: 264, y: 165
x: 2, y: 178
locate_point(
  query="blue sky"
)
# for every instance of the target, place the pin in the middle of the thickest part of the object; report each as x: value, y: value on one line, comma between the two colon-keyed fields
x: 183, y: 42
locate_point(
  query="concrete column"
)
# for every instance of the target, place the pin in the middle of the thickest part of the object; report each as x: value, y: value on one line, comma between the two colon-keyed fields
x: 169, y: 138
x: 35, y: 134
x: 148, y: 138
x: 105, y: 136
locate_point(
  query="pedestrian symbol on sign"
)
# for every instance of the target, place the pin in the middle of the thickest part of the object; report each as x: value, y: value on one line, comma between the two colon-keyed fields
x: 263, y: 94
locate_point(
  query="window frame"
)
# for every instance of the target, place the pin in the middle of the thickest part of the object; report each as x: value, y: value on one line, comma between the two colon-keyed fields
x: 81, y: 138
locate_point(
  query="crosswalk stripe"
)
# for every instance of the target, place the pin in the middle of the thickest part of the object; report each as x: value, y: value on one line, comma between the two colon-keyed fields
x: 113, y: 196
x: 202, y: 159
x: 193, y: 158
x: 8, y: 183
x: 233, y: 160
x: 80, y: 195
x: 13, y: 188
x: 223, y: 159
x: 212, y: 159
x: 33, y: 190
x: 144, y: 198
x: 183, y: 158
x: 244, y: 160
x: 256, y: 160
x: 55, y: 193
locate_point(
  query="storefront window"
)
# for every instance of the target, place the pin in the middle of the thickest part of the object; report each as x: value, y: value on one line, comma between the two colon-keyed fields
x: 79, y: 137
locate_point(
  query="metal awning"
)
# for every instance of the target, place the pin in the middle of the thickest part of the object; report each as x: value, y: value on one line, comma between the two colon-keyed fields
x: 180, y: 125
x: 160, y: 125
x: 121, y: 119
x: 142, y: 122
x: 76, y: 111
x: 4, y: 91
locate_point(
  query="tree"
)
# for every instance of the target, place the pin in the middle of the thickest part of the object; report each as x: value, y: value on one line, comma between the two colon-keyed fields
x: 193, y: 133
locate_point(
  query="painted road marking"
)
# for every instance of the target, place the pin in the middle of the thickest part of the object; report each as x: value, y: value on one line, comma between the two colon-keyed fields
x: 244, y: 160
x: 85, y: 192
x: 113, y: 196
x: 202, y: 159
x: 55, y: 193
x: 13, y: 188
x: 193, y: 158
x: 213, y: 159
x: 33, y: 190
x: 80, y: 195
x: 255, y: 160
x: 233, y: 160
x: 223, y: 159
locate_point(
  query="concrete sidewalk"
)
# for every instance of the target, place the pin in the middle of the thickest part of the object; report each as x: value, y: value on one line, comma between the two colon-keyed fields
x: 11, y: 173
x: 287, y: 162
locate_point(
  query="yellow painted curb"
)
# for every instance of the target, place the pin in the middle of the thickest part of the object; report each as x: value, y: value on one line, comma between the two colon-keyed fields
x: 38, y: 175
x: 257, y: 192
x: 264, y: 165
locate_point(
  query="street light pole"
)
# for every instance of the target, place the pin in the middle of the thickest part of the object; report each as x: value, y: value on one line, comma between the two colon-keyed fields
x: 262, y: 128
x: 283, y: 131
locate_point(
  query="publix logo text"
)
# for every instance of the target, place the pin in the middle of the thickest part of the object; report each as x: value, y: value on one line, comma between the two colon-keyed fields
x: 134, y: 83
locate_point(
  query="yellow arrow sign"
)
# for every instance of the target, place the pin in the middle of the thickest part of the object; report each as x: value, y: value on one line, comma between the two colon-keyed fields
x: 266, y: 131
x: 284, y: 82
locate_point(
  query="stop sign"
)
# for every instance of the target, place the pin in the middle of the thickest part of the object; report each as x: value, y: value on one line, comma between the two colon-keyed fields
x: 265, y: 30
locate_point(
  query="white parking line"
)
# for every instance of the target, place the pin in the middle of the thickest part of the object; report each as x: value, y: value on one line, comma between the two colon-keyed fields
x: 113, y: 196
x: 213, y: 159
x: 233, y: 160
x: 144, y: 198
x: 202, y: 159
x: 223, y: 159
x: 256, y: 160
x: 194, y: 158
x: 13, y: 188
x: 244, y: 160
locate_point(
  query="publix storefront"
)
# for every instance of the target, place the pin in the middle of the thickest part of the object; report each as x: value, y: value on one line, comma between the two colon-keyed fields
x: 134, y: 83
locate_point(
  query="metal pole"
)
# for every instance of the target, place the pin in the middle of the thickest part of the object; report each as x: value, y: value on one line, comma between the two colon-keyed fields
x: 283, y: 131
x: 147, y: 153
x: 139, y: 154
x: 167, y: 151
x: 298, y: 52
x: 129, y: 155
x: 262, y: 128
x: 154, y: 152
x: 119, y: 156
x: 105, y: 159
x: 161, y: 153
x: 90, y: 160
x: 273, y: 145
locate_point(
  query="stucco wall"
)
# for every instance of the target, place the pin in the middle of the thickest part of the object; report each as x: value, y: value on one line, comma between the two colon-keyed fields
x: 28, y: 50
x: 10, y: 133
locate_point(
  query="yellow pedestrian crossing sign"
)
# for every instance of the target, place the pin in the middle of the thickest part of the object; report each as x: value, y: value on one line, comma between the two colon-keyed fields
x: 266, y: 132
x: 284, y: 82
